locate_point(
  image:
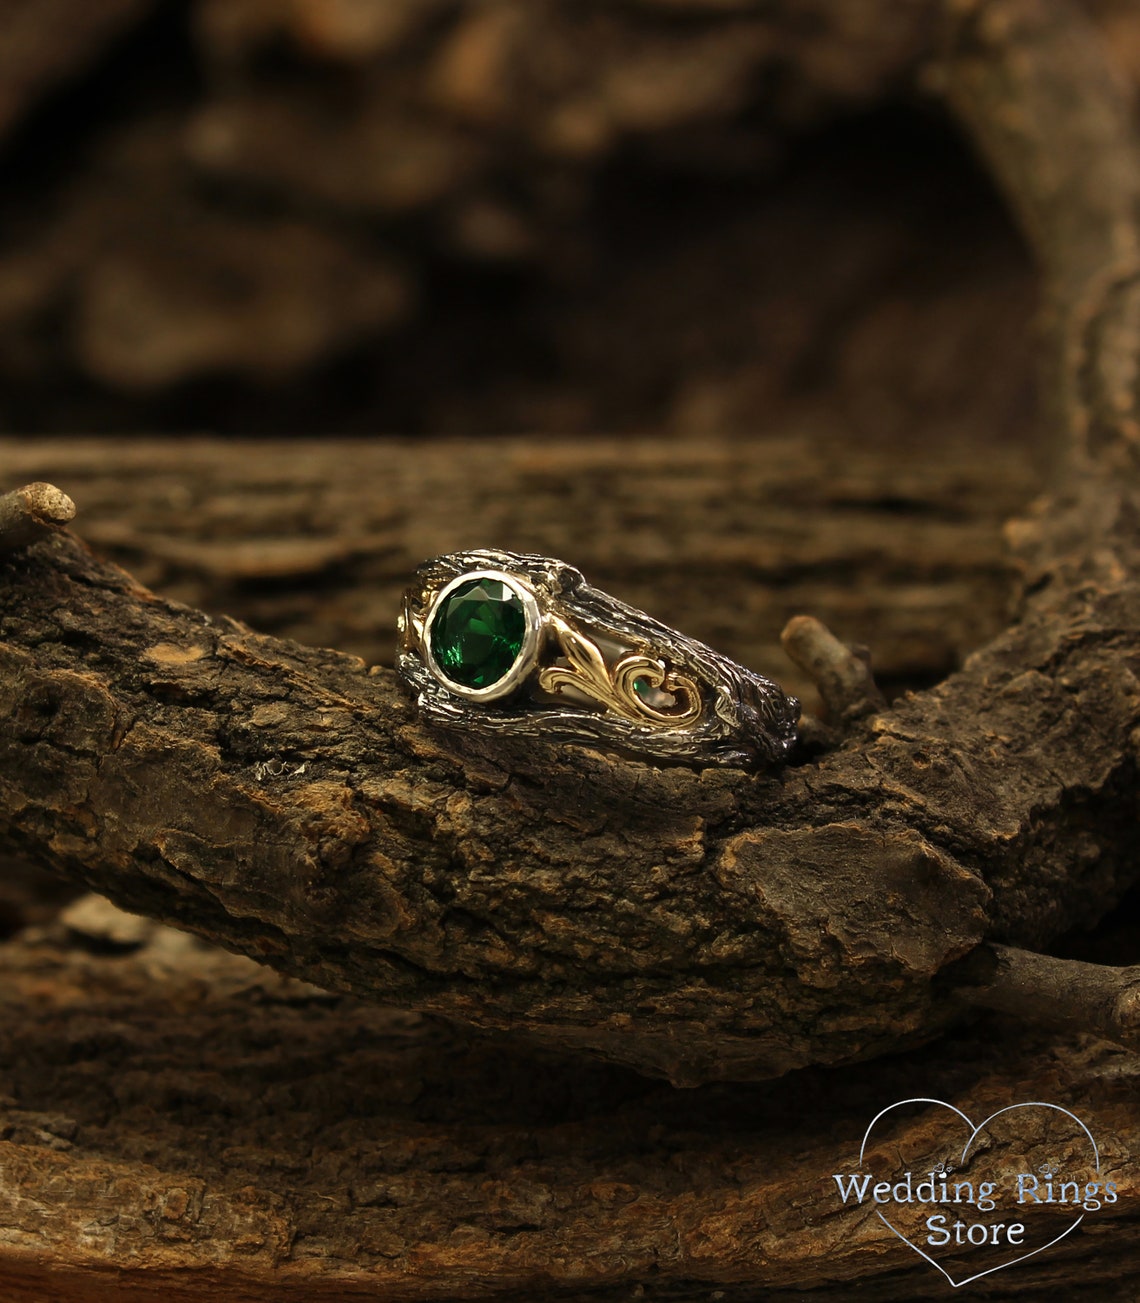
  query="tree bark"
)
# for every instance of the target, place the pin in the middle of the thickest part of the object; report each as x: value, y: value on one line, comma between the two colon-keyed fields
x: 698, y: 926
x: 897, y: 547
x: 215, y: 1131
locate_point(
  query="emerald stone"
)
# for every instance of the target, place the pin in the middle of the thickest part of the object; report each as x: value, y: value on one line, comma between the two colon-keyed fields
x: 478, y: 632
x: 653, y: 697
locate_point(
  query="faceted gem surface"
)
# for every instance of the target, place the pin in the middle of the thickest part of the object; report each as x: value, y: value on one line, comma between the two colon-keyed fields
x: 478, y: 632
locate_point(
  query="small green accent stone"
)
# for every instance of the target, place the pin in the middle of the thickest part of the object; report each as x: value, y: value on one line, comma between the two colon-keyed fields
x: 478, y: 632
x: 641, y: 687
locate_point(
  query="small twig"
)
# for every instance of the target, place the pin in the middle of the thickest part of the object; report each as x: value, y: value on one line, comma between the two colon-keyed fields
x: 1064, y: 992
x: 32, y: 513
x: 841, y: 673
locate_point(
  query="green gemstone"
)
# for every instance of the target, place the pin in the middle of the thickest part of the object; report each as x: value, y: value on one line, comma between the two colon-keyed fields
x: 478, y: 632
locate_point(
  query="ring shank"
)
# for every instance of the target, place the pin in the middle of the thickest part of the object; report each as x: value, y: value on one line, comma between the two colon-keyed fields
x: 721, y: 713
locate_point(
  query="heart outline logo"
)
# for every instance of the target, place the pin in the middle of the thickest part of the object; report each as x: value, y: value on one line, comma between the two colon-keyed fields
x: 974, y: 1133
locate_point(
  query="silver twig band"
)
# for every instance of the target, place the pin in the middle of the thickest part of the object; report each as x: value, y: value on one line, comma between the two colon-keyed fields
x: 520, y: 644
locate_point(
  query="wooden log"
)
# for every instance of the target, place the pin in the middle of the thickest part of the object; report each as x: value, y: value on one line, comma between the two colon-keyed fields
x: 180, y: 1124
x: 32, y: 513
x: 694, y: 925
x: 898, y: 547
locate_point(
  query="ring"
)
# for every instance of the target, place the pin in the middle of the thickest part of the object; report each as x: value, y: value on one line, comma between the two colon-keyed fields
x: 520, y: 644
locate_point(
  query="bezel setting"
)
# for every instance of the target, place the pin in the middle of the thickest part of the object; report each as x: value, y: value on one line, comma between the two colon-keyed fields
x: 527, y: 655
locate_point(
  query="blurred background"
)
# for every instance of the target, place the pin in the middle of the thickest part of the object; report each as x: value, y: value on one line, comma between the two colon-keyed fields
x: 496, y: 216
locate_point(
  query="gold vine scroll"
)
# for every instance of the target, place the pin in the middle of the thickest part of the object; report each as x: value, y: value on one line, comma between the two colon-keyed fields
x: 586, y: 671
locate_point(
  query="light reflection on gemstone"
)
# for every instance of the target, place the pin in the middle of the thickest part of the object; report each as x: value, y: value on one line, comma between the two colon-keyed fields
x: 478, y: 632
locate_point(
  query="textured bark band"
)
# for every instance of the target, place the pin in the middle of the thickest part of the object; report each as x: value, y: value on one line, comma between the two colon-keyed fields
x: 510, y: 643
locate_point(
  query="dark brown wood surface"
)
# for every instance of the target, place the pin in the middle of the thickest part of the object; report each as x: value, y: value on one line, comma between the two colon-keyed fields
x: 698, y: 927
x: 181, y: 1124
x: 897, y: 547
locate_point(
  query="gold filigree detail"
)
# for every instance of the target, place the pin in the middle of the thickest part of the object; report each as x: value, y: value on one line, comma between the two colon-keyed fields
x: 587, y: 672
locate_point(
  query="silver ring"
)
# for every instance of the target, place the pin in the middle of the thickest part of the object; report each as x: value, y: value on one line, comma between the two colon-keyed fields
x: 520, y: 644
